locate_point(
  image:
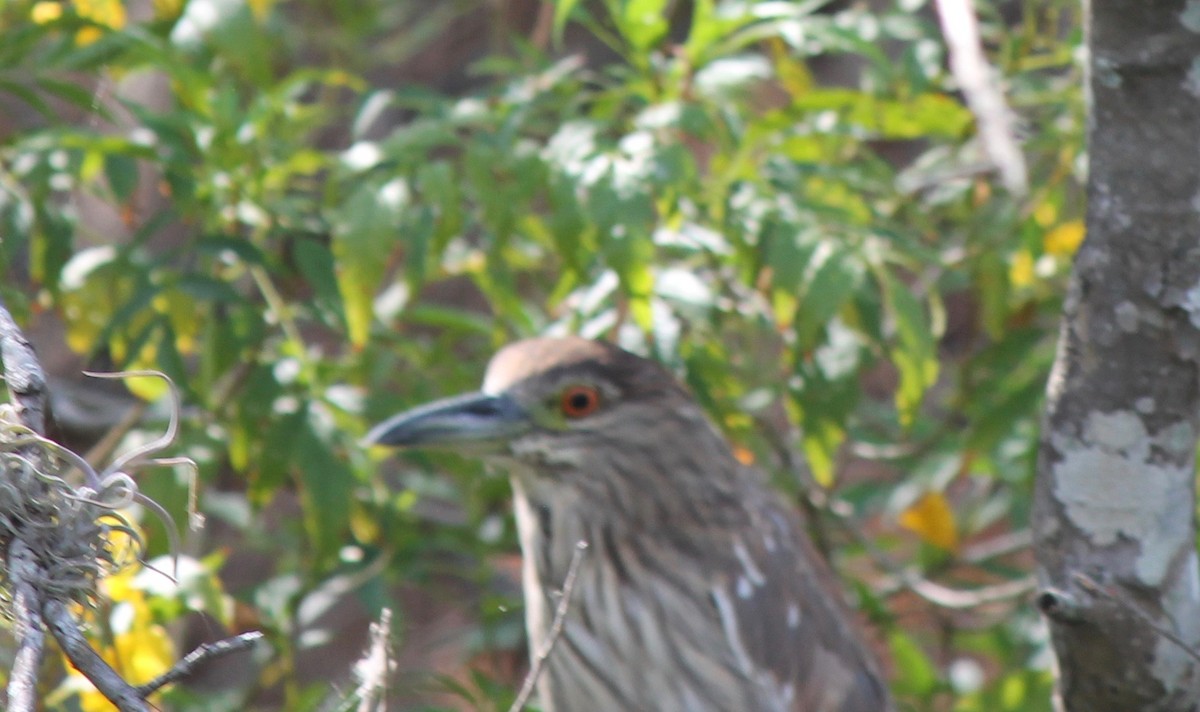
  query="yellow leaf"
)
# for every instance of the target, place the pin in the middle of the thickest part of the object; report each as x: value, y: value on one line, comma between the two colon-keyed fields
x: 365, y: 524
x: 1064, y: 239
x: 44, y: 12
x: 109, y: 13
x: 932, y: 519
x: 821, y: 441
x: 1020, y: 272
x: 180, y: 309
x: 139, y: 647
x: 1045, y: 214
x: 792, y: 73
x: 148, y: 388
x: 260, y: 8
x: 167, y: 9
x: 743, y: 455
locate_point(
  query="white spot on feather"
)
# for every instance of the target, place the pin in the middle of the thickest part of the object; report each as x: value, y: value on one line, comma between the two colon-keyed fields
x: 793, y: 616
x: 729, y: 624
x: 752, y: 571
x: 744, y: 589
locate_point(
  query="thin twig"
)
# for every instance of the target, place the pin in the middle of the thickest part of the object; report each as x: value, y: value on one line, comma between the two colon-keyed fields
x: 374, y: 667
x: 1094, y: 587
x: 188, y: 664
x: 961, y: 599
x: 556, y: 627
x: 981, y: 89
x: 902, y: 577
x: 997, y: 546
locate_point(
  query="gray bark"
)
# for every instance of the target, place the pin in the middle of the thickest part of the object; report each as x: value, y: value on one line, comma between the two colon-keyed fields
x: 1114, y: 506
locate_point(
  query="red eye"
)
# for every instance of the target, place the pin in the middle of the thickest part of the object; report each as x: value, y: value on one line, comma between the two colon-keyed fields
x: 579, y: 401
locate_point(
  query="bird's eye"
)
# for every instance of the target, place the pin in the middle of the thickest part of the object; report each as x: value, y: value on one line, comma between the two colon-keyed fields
x: 579, y: 401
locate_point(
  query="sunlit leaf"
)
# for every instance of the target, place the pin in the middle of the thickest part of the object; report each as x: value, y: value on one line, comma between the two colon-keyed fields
x: 1064, y: 239
x: 821, y: 441
x: 1020, y: 270
x: 642, y: 22
x: 562, y: 14
x: 914, y: 349
x: 915, y: 672
x: 365, y: 233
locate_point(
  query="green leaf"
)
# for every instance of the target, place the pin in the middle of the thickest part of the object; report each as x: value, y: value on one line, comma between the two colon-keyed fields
x: 81, y: 97
x: 202, y: 287
x: 417, y: 233
x: 562, y: 13
x: 915, y: 673
x: 449, y: 318
x: 27, y: 95
x: 325, y: 480
x: 817, y: 271
x: 705, y: 30
x: 923, y: 115
x: 315, y: 262
x: 822, y: 405
x: 122, y: 174
x: 821, y: 441
x: 914, y: 349
x: 643, y: 23
x: 231, y: 30
x: 365, y: 232
x: 243, y: 249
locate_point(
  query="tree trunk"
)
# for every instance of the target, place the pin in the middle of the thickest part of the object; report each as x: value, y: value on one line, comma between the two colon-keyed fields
x: 1115, y: 496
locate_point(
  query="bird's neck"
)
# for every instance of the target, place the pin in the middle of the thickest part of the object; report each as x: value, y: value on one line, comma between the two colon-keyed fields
x: 547, y: 531
x: 552, y: 519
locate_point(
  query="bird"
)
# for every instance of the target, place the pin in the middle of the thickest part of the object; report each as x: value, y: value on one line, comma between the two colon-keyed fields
x: 700, y: 590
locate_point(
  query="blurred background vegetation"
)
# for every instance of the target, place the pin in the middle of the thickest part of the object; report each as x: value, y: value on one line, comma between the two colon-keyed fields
x: 314, y: 213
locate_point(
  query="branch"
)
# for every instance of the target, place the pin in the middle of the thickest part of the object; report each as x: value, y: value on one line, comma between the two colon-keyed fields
x: 1091, y: 586
x: 30, y: 633
x: 560, y: 616
x: 374, y: 667
x: 55, y: 547
x: 976, y: 79
x: 27, y: 391
x: 196, y: 658
x: 77, y: 649
x: 962, y: 599
x: 23, y: 374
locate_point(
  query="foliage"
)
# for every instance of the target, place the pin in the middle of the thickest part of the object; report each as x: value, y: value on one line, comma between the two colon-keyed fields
x: 305, y: 249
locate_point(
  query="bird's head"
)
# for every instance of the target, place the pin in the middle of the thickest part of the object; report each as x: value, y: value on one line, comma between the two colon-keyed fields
x: 557, y: 410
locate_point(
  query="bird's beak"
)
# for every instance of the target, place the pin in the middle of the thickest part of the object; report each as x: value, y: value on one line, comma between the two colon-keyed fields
x: 473, y: 419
